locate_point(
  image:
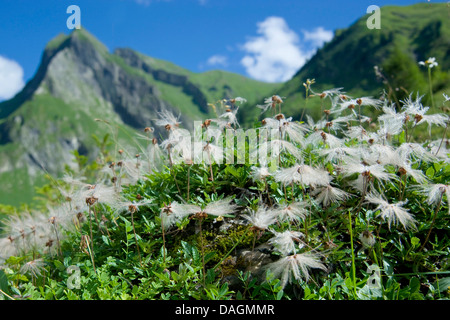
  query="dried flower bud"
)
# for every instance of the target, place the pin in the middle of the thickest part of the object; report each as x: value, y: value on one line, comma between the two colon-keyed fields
x: 365, y: 173
x: 277, y: 99
x: 91, y: 200
x: 207, y: 122
x: 49, y: 243
x: 200, y: 215
x: 167, y: 209
x: 132, y: 208
x: 80, y: 216
x: 279, y: 116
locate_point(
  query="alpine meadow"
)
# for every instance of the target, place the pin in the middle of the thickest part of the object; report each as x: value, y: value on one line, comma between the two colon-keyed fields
x: 126, y: 177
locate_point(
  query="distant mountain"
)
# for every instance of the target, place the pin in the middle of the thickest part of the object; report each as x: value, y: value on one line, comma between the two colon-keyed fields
x: 408, y: 34
x: 79, y: 81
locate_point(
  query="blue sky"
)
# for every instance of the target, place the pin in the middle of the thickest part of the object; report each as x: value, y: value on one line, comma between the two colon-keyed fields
x: 264, y: 39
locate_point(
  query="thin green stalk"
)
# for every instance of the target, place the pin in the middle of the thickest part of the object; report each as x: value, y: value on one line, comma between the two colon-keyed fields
x: 431, y: 88
x: 353, y: 253
x: 1, y: 291
x: 432, y: 223
x: 164, y: 242
x: 136, y: 240
x: 442, y: 140
x: 188, y: 181
x: 203, y: 252
x: 90, y: 226
x: 91, y: 255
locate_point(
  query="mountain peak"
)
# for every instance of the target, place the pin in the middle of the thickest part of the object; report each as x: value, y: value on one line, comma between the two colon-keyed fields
x: 77, y: 39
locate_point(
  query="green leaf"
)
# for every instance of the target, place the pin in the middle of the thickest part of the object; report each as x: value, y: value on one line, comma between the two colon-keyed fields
x: 232, y: 171
x: 280, y: 294
x: 135, y: 290
x: 71, y: 295
x: 416, y: 296
x: 443, y: 284
x: 105, y: 239
x: 401, y: 137
x: 415, y: 241
x: 58, y: 264
x: 4, y: 281
x: 14, y: 260
x: 414, y: 285
x: 223, y: 290
x: 175, y: 276
x: 430, y: 172
x: 209, y: 256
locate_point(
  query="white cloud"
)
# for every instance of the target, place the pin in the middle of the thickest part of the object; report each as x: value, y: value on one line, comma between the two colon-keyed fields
x: 318, y: 37
x: 217, y: 60
x: 277, y: 53
x: 11, y: 78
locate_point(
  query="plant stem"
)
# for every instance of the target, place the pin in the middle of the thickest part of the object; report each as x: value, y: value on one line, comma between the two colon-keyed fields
x: 188, y: 181
x: 91, y: 254
x: 90, y: 226
x: 442, y: 140
x: 353, y: 253
x: 203, y: 252
x: 164, y: 242
x: 432, y: 223
x: 431, y: 88
x: 1, y: 291
x: 135, y: 239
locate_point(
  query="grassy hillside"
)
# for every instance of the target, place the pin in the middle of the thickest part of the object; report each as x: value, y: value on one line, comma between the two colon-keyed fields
x: 408, y: 34
x: 78, y: 82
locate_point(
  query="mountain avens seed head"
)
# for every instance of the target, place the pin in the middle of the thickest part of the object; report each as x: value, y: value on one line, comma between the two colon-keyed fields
x: 402, y: 171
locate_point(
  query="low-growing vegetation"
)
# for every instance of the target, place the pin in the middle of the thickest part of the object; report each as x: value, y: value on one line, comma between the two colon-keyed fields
x: 344, y: 207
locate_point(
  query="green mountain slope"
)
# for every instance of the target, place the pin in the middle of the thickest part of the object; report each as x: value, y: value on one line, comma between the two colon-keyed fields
x: 78, y: 82
x: 408, y: 34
